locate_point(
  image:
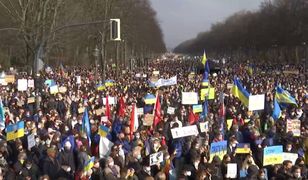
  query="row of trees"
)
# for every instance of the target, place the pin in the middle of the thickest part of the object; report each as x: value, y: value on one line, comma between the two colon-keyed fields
x: 277, y: 31
x: 68, y: 31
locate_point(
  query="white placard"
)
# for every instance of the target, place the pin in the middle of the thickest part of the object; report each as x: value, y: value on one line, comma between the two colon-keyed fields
x: 231, y: 170
x: 78, y: 79
x: 290, y: 156
x: 189, y: 98
x: 22, y: 84
x: 170, y: 110
x: 204, y: 126
x: 111, y: 100
x: 184, y: 131
x: 140, y: 111
x: 30, y: 83
x: 256, y: 102
x: 156, y: 158
x: 31, y: 141
x: 138, y: 75
x: 166, y: 82
x: 156, y: 72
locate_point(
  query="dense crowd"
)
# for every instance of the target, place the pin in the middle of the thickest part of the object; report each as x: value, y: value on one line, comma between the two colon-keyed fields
x: 63, y: 150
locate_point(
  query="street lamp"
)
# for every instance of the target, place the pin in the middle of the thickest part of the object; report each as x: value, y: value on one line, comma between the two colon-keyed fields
x: 96, y: 54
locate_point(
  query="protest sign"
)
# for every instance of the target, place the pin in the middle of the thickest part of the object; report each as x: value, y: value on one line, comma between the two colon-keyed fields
x: 204, y: 126
x: 30, y: 83
x: 204, y: 93
x: 294, y: 126
x: 138, y: 75
x: 22, y: 84
x: 272, y: 155
x: 231, y: 170
x: 100, y: 111
x: 165, y: 82
x: 156, y: 158
x: 111, y: 100
x: 229, y: 86
x: 184, y: 131
x: 31, y: 100
x: 78, y: 79
x: 9, y: 79
x: 31, y: 141
x: 211, y: 93
x: 242, y: 148
x: 139, y: 111
x: 197, y: 108
x: 81, y: 110
x: 62, y: 89
x: 296, y: 72
x: 156, y: 72
x: 218, y: 149
x: 189, y: 98
x: 170, y: 110
x: 256, y: 102
x: 290, y: 156
x: 148, y: 120
x: 229, y: 123
x: 54, y: 89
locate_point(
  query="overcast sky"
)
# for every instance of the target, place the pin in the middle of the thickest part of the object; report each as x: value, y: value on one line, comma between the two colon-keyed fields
x: 181, y: 20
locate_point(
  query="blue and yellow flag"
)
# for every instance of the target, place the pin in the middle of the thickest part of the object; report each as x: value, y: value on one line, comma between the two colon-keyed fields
x: 207, y: 67
x: 277, y: 111
x: 15, y: 131
x: 250, y: 70
x: 86, y: 127
x: 103, y: 131
x: 205, y: 80
x: 240, y: 92
x: 89, y: 164
x: 109, y: 83
x: 283, y: 96
x: 150, y: 99
x: 203, y: 58
x: 2, y: 116
x: 100, y: 87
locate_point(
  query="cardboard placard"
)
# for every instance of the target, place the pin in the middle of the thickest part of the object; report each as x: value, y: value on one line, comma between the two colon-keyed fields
x: 256, y: 102
x: 31, y: 100
x: 100, y: 111
x: 184, y: 131
x: 139, y: 111
x: 9, y: 78
x: 231, y: 170
x: 204, y: 126
x: 197, y: 108
x: 156, y: 158
x: 294, y: 126
x: 30, y: 83
x: 62, y: 89
x: 54, y: 89
x: 170, y: 110
x: 272, y: 155
x: 148, y: 120
x: 218, y: 149
x: 31, y: 141
x: 22, y: 84
x: 81, y: 110
x: 189, y: 98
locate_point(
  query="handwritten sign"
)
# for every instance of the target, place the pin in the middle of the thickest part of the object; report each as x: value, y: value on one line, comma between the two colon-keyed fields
x: 290, y: 156
x: 170, y: 110
x: 22, y: 84
x: 184, y: 131
x: 218, y: 149
x: 31, y: 141
x: 30, y: 83
x: 231, y: 170
x: 156, y: 158
x: 189, y: 98
x: 294, y: 126
x: 31, y: 100
x: 272, y: 155
x: 9, y: 78
x: 204, y: 126
x: 256, y: 102
x: 148, y: 120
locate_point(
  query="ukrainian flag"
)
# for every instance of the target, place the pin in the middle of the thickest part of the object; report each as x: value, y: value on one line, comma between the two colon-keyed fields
x: 205, y: 80
x: 283, y: 96
x: 277, y: 111
x: 150, y: 99
x: 204, y: 58
x: 109, y: 83
x: 240, y: 92
x: 89, y: 164
x: 100, y: 87
x: 103, y: 130
x: 15, y: 131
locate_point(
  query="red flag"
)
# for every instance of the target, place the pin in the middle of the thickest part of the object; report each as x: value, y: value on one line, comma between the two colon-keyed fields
x: 157, y: 113
x: 107, y: 109
x: 192, y: 118
x: 134, y: 124
x: 121, y: 111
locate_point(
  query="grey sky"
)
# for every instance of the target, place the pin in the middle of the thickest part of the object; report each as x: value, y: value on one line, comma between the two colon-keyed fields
x: 181, y: 20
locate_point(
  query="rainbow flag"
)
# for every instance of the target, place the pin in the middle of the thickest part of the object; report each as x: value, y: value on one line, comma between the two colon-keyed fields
x: 15, y: 131
x: 103, y: 130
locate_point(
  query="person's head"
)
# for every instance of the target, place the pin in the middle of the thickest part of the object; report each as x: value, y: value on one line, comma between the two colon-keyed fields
x: 262, y: 174
x: 289, y: 146
x: 110, y: 162
x: 300, y: 162
x: 160, y: 176
x: 226, y: 159
x: 67, y: 145
x: 51, y: 152
x: 287, y: 165
x: 296, y: 171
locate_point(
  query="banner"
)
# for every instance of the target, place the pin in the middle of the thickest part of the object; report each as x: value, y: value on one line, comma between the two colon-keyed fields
x: 165, y: 82
x: 184, y: 131
x: 290, y: 156
x: 256, y: 102
x: 272, y: 155
x: 218, y: 149
x: 294, y: 126
x: 231, y: 170
x: 197, y: 108
x: 22, y: 84
x: 189, y: 98
x: 156, y: 158
x: 170, y: 110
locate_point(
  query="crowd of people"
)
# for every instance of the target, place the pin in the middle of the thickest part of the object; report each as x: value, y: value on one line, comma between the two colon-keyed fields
x: 63, y: 149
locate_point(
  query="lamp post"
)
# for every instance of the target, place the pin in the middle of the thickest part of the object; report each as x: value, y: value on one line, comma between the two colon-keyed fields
x: 96, y: 54
x: 304, y: 60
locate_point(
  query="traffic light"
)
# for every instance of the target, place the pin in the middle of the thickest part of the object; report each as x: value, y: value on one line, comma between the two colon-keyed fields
x: 115, y: 34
